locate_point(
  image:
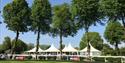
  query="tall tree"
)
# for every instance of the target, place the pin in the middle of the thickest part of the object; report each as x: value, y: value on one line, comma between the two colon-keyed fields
x: 114, y: 33
x: 16, y: 16
x: 41, y: 18
x: 62, y: 24
x: 87, y: 14
x: 113, y: 9
x: 7, y: 44
x: 20, y: 47
x: 94, y: 38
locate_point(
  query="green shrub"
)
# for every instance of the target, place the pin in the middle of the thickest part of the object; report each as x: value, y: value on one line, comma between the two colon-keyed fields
x: 42, y: 57
x: 28, y: 57
x: 51, y: 57
x: 99, y: 59
x: 82, y: 58
x: 114, y: 60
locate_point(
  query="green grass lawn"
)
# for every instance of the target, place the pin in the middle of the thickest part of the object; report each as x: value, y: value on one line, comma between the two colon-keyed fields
x: 41, y: 62
x: 35, y: 62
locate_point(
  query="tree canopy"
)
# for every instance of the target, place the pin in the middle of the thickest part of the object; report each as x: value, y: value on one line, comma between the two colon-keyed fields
x: 113, y: 9
x: 94, y: 38
x: 19, y: 47
x: 17, y: 17
x: 62, y: 23
x: 1, y: 49
x: 114, y: 33
x: 7, y: 44
x: 30, y: 46
x: 41, y: 18
x: 87, y: 12
x: 107, y: 50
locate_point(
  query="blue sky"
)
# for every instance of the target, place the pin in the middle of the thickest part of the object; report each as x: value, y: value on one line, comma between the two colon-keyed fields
x: 30, y: 37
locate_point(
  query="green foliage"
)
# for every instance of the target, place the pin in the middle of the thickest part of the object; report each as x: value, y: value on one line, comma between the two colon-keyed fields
x: 107, y: 50
x: 114, y: 60
x: 62, y: 22
x: 94, y: 38
x: 20, y: 46
x: 114, y: 34
x: 113, y: 9
x: 28, y: 57
x: 109, y: 7
x: 87, y: 12
x: 1, y: 49
x: 42, y: 57
x: 30, y: 46
x: 99, y: 59
x: 122, y: 51
x: 16, y: 15
x: 6, y: 44
x: 41, y: 16
x: 110, y: 60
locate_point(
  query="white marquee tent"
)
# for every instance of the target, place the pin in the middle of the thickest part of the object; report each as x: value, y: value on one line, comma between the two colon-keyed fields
x: 93, y: 51
x: 52, y: 49
x: 69, y: 48
x: 34, y: 50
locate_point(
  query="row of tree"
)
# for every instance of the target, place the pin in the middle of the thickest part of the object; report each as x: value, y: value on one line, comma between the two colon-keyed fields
x: 63, y: 20
x: 94, y: 38
x: 20, y: 46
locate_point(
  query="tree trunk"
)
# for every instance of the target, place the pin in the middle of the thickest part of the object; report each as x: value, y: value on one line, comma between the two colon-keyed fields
x: 37, y: 43
x: 14, y: 44
x: 61, y: 44
x: 17, y: 36
x: 117, y: 49
x: 88, y: 46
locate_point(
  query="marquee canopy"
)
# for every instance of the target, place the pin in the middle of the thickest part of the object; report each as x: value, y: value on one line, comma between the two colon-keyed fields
x: 34, y: 50
x: 69, y: 48
x: 52, y: 49
x: 92, y: 49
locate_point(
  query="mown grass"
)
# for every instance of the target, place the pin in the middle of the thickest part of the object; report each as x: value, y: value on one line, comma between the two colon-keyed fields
x: 35, y: 62
x: 44, y: 62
